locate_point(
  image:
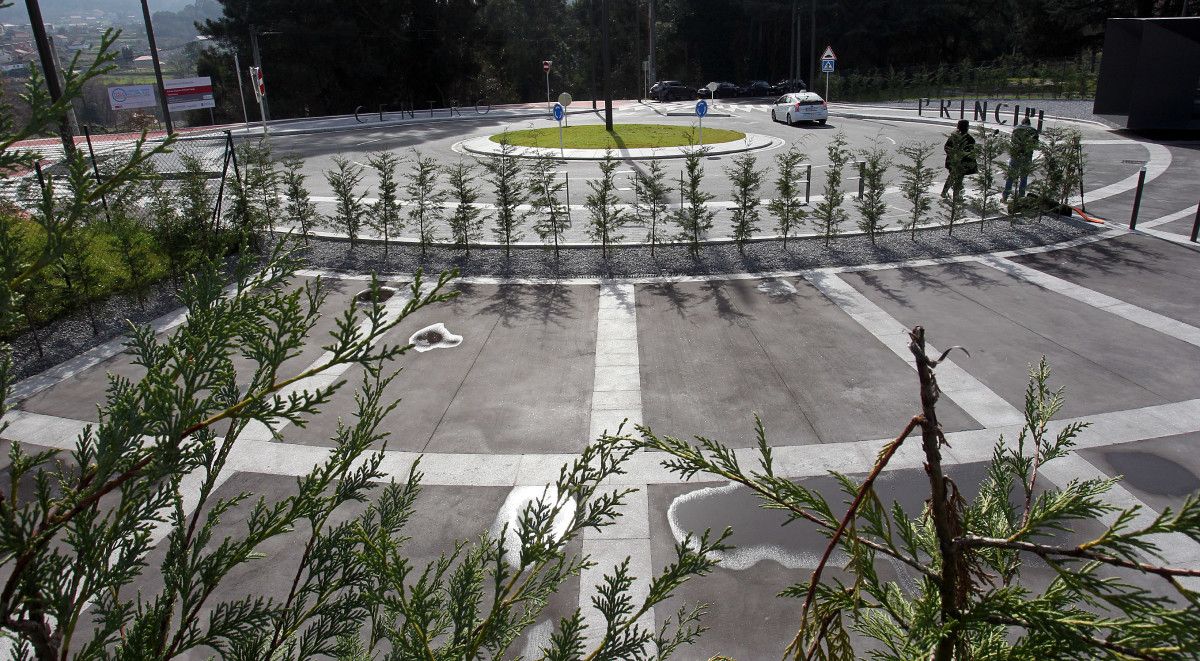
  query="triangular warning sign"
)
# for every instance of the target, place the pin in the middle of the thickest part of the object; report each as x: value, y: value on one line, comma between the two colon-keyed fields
x: 828, y: 54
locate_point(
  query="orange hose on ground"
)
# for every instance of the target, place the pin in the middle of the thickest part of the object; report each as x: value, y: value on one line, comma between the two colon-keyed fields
x: 1088, y: 217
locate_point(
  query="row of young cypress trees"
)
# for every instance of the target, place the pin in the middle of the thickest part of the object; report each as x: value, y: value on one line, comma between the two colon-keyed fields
x: 532, y: 193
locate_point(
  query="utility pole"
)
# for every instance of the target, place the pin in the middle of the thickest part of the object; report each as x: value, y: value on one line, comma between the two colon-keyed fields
x: 605, y: 66
x: 266, y: 109
x: 46, y: 55
x: 652, y: 74
x: 162, y: 90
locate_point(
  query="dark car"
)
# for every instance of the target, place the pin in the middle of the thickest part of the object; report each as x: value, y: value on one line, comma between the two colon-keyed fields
x: 757, y: 88
x: 789, y: 86
x: 671, y: 90
x: 724, y: 91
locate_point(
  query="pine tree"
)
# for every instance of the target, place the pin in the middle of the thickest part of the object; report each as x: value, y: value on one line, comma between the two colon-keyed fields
x: 787, y: 206
x: 991, y: 147
x: 871, y: 207
x: 344, y: 179
x: 915, y: 179
x: 384, y: 215
x: 970, y: 600
x: 606, y: 218
x: 746, y: 181
x: 504, y: 174
x: 466, y: 222
x: 551, y: 219
x: 425, y: 198
x: 829, y: 213
x: 299, y: 209
x: 651, y: 195
x: 693, y: 217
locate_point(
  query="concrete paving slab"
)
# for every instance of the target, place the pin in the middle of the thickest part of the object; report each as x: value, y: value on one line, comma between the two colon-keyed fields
x: 77, y: 396
x: 715, y: 353
x: 521, y: 381
x: 1107, y: 363
x: 1160, y: 472
x: 1137, y: 269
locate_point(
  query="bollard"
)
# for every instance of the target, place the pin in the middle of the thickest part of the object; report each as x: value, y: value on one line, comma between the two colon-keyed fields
x: 1079, y: 156
x: 808, y: 184
x: 567, y: 188
x: 1196, y: 224
x: 1137, y: 198
x: 861, y: 179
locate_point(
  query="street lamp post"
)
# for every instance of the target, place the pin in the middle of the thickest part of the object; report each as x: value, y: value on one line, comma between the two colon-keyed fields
x: 162, y: 90
x: 46, y: 55
x: 605, y: 66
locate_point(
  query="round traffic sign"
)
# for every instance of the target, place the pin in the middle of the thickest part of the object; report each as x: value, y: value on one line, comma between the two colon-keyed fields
x: 702, y: 108
x: 564, y: 99
x: 712, y: 87
x: 558, y: 112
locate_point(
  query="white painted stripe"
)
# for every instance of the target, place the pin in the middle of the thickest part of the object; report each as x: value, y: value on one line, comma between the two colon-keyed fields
x: 1169, y: 236
x: 975, y: 398
x: 1138, y: 315
x: 1176, y: 550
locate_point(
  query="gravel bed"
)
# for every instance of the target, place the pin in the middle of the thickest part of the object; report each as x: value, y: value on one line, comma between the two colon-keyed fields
x: 633, y: 261
x: 72, y: 334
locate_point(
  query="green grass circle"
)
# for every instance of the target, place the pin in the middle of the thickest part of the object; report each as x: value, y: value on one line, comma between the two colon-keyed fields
x: 623, y: 136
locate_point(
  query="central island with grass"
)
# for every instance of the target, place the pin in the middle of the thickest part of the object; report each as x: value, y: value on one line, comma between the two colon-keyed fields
x: 623, y: 136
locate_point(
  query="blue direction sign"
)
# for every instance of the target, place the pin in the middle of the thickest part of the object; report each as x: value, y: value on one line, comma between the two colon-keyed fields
x: 827, y: 65
x: 558, y: 112
x: 702, y: 108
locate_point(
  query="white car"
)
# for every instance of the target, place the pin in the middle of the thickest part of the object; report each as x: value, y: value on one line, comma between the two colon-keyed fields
x: 800, y: 107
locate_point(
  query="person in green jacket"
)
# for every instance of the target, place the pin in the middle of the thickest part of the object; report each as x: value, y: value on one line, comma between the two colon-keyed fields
x: 1020, y: 158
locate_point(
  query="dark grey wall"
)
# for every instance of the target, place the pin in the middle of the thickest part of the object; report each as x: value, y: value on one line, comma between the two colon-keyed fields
x: 1150, y: 73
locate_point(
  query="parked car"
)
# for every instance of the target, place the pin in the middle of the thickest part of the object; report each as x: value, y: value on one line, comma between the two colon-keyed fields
x: 757, y: 88
x: 800, y: 107
x: 724, y: 90
x: 788, y: 86
x: 671, y: 90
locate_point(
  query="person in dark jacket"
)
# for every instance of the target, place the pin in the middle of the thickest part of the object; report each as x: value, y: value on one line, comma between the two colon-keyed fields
x: 1020, y: 158
x: 960, y: 157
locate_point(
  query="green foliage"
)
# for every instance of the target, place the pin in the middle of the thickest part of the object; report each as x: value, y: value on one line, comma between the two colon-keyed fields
x: 504, y: 174
x: 871, y: 208
x: 343, y: 180
x: 255, y: 194
x: 992, y: 148
x: 606, y: 217
x: 787, y: 206
x: 693, y: 217
x: 299, y: 210
x: 829, y: 214
x: 1088, y: 609
x: 915, y: 179
x: 1060, y: 166
x: 384, y: 215
x: 466, y: 222
x: 425, y: 198
x: 746, y: 181
x: 651, y: 195
x: 551, y: 217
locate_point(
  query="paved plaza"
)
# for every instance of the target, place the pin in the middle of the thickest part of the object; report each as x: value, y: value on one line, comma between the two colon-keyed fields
x: 820, y: 355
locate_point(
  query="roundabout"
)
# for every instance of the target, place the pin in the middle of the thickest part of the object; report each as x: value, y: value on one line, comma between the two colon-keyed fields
x: 623, y: 136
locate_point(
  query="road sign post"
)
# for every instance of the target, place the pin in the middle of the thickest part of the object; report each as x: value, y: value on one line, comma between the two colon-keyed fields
x: 565, y: 100
x: 559, y: 114
x: 828, y: 63
x: 260, y: 92
x: 701, y: 111
x: 546, y: 67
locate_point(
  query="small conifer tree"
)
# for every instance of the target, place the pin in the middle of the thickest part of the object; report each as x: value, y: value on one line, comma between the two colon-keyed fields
x: 299, y: 209
x: 693, y: 217
x: 606, y: 217
x: 344, y: 180
x: 991, y: 147
x: 466, y: 219
x: 551, y: 218
x: 871, y: 208
x: 425, y: 198
x: 384, y: 215
x: 829, y: 214
x: 746, y: 180
x: 916, y: 176
x: 788, y: 206
x: 652, y: 195
x: 504, y: 174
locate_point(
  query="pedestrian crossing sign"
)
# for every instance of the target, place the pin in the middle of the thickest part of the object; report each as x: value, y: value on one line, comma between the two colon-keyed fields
x: 827, y: 65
